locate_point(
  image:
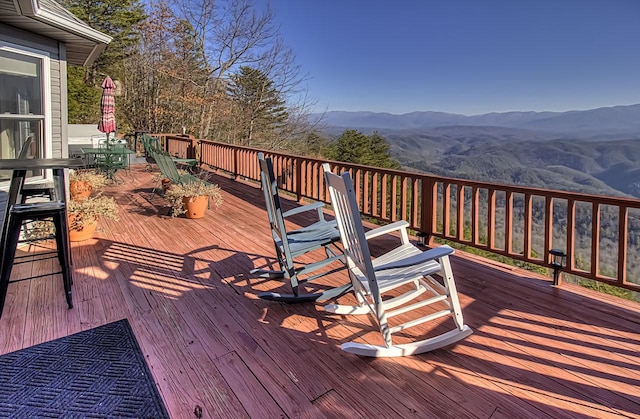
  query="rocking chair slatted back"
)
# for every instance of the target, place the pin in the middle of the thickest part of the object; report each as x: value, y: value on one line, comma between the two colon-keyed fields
x: 274, y: 207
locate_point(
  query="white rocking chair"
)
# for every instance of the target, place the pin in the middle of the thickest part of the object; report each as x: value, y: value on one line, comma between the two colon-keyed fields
x: 404, y: 266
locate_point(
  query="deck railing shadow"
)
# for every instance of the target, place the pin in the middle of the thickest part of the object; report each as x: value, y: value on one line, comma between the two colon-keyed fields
x: 514, y: 336
x: 535, y: 352
x: 184, y: 266
x: 500, y: 368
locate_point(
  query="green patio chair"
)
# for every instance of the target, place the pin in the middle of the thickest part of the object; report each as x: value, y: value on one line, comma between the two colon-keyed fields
x: 168, y: 168
x: 152, y: 145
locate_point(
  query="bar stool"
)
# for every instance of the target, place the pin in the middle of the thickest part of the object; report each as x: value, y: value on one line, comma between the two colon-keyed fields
x: 34, y: 190
x: 38, y: 190
x: 17, y: 215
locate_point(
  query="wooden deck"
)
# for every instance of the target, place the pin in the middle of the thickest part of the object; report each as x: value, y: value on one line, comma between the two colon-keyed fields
x: 184, y: 285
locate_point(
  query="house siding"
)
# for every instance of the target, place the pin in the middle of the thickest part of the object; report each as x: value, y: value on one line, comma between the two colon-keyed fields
x: 7, y: 8
x: 56, y: 109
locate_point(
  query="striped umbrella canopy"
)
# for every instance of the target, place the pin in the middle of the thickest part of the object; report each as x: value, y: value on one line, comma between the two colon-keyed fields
x: 107, y: 122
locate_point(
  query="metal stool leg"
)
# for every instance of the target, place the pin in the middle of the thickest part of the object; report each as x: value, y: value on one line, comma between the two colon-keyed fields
x: 12, y: 236
x: 62, y: 244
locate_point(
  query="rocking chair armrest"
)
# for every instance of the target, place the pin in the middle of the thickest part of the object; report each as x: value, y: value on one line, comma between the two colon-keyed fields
x: 423, y: 257
x: 389, y: 228
x: 313, y: 206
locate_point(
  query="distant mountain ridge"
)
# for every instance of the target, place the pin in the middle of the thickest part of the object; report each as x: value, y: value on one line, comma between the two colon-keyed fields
x: 594, y: 151
x: 615, y: 119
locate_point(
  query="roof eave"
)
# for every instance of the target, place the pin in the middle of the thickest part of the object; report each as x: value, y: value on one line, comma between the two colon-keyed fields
x: 32, y: 8
x: 70, y: 26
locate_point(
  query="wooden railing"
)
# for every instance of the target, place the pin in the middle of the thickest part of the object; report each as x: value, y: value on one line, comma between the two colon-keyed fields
x: 518, y: 222
x: 182, y: 146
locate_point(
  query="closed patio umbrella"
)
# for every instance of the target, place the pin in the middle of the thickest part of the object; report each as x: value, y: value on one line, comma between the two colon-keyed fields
x: 107, y: 122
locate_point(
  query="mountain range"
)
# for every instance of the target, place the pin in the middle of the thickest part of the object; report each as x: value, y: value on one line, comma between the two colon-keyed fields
x: 610, y: 120
x: 593, y: 151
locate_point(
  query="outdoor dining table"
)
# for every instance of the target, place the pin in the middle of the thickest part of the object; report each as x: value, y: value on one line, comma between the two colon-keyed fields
x: 109, y: 153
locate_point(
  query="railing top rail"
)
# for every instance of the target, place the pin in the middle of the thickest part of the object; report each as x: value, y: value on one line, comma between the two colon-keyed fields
x: 180, y: 137
x: 575, y: 196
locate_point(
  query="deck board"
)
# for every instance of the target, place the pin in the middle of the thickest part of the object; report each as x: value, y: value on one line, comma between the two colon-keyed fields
x: 211, y: 344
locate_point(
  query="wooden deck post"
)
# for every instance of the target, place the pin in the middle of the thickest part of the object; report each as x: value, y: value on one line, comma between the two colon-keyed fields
x: 298, y: 178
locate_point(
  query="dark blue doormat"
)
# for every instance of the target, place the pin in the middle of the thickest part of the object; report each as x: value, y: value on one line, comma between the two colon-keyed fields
x: 98, y: 373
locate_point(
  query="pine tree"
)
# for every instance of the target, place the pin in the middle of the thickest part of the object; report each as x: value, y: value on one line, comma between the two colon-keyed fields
x: 118, y: 19
x: 355, y: 147
x: 258, y: 107
x: 83, y: 98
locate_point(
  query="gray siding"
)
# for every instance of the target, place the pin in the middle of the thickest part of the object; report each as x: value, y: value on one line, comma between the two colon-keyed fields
x: 56, y: 109
x: 64, y: 110
x: 7, y: 8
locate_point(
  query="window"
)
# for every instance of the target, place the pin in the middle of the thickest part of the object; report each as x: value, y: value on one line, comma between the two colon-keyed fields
x: 23, y: 104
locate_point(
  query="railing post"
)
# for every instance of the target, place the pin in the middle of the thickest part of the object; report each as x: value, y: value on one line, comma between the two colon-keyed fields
x: 298, y: 179
x: 427, y: 216
x: 191, y: 149
x: 623, y: 239
x: 235, y: 163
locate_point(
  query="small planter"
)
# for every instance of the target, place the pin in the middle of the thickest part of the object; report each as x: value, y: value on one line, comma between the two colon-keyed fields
x: 83, y: 183
x: 193, y: 198
x: 79, y: 190
x: 84, y: 215
x: 85, y: 232
x: 195, y: 206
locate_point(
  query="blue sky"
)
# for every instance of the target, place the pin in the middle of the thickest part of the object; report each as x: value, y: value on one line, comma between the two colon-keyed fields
x: 465, y: 56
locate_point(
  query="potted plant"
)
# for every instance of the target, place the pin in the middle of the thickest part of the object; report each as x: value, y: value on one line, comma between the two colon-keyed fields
x: 83, y: 182
x: 192, y: 199
x: 83, y: 215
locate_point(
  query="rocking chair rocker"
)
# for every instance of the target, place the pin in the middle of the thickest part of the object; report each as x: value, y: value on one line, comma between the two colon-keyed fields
x: 405, y: 266
x: 290, y: 245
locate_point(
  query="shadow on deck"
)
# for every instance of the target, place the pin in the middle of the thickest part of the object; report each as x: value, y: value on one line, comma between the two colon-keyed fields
x: 536, y: 351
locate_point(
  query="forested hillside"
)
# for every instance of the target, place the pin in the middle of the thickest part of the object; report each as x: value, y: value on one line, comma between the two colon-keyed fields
x: 592, y: 151
x: 498, y: 155
x: 519, y: 157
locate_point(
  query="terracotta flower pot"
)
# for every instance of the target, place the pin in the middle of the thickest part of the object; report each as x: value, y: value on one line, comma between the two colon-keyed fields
x: 196, y: 206
x: 79, y: 190
x: 80, y: 234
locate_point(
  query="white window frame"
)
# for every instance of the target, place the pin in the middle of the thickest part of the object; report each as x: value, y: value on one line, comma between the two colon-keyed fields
x: 47, y: 135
